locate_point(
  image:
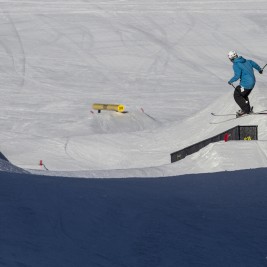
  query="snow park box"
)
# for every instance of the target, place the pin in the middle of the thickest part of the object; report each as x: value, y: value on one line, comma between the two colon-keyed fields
x: 236, y: 133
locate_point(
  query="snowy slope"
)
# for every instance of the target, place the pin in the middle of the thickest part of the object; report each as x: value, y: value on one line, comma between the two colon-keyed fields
x: 167, y: 57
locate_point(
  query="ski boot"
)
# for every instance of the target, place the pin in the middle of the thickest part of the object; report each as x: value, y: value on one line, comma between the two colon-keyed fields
x: 241, y: 112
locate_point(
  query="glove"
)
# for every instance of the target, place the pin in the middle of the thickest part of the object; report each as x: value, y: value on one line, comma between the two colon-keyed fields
x: 261, y: 71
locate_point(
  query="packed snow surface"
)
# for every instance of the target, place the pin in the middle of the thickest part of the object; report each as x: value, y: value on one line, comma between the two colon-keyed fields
x: 166, y: 61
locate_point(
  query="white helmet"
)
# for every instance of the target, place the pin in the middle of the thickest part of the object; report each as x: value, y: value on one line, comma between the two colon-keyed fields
x: 232, y: 55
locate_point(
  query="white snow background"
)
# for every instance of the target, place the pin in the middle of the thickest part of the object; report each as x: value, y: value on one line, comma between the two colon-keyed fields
x: 167, y: 58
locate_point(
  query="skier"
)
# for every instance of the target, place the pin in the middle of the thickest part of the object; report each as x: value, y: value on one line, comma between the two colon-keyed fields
x: 243, y: 70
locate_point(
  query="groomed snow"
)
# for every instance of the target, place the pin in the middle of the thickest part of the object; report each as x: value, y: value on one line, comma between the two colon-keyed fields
x: 166, y: 58
x: 166, y: 61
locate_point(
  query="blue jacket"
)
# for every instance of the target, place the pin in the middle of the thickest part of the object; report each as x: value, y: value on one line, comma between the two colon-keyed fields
x: 244, y: 71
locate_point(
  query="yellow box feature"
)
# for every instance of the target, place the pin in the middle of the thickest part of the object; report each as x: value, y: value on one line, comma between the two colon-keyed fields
x: 114, y: 107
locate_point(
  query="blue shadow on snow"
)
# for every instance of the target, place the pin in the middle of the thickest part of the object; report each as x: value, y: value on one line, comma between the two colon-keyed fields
x: 193, y: 220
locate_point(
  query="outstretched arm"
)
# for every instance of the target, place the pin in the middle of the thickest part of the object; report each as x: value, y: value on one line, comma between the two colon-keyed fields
x: 255, y: 65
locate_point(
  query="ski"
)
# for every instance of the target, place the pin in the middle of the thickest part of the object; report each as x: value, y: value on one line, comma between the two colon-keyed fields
x: 245, y: 115
x: 233, y: 114
x: 222, y: 115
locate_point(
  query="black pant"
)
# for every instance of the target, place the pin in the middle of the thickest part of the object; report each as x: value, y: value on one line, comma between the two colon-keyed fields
x: 241, y: 98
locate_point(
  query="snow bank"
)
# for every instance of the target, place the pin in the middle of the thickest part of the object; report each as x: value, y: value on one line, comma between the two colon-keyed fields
x: 6, y: 166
